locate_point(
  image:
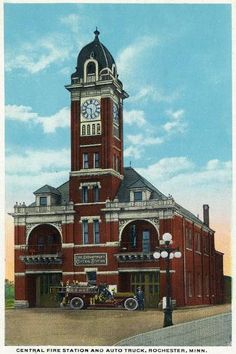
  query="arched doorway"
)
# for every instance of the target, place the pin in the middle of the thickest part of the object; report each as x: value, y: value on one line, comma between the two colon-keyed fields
x: 44, y: 247
x: 139, y: 240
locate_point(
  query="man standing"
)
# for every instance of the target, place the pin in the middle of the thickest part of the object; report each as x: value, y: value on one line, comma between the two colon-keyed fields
x: 140, y: 298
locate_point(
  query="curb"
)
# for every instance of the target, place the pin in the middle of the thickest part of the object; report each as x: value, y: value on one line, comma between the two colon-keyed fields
x: 166, y: 328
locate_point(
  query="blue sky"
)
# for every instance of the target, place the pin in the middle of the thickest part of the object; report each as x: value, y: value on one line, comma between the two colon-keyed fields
x: 175, y: 63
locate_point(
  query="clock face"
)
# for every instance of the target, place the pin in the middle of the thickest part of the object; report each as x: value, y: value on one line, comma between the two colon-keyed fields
x: 91, y: 109
x: 115, y: 113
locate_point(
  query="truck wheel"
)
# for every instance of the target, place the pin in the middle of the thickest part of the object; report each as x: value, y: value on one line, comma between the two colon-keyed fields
x: 130, y: 304
x: 76, y: 303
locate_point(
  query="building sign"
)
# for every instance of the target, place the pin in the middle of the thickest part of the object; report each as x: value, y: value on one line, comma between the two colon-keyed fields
x: 90, y: 259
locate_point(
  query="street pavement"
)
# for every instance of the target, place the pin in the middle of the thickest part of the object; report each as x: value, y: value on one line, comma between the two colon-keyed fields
x: 211, y: 331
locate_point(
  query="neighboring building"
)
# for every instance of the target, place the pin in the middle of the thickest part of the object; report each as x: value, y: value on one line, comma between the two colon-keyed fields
x: 104, y: 224
x: 227, y: 289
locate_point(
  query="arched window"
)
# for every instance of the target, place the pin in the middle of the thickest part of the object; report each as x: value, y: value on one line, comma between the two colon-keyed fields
x: 93, y: 129
x: 83, y: 130
x: 88, y: 129
x: 98, y: 128
x: 91, y: 68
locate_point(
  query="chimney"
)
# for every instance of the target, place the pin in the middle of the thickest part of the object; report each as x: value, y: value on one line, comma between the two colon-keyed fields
x: 206, y: 214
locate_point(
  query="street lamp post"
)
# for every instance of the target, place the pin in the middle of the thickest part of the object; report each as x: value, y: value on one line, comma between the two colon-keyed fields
x: 167, y: 252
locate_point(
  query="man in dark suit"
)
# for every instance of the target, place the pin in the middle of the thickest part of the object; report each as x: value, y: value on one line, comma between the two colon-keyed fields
x: 140, y: 298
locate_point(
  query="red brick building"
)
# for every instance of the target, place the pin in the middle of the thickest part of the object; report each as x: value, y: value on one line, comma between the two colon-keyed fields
x: 105, y: 223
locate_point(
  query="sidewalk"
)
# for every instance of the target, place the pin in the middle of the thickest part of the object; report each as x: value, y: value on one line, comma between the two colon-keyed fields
x: 211, y: 331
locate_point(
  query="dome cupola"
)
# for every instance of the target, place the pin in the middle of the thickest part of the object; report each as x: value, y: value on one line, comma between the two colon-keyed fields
x: 94, y: 63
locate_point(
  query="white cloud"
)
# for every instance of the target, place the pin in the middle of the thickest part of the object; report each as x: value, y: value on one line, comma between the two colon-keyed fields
x: 133, y: 152
x: 138, y: 142
x: 217, y: 164
x: 31, y: 162
x: 143, y: 140
x: 25, y: 114
x: 167, y: 168
x: 149, y: 136
x: 128, y: 58
x: 175, y: 115
x: 72, y: 21
x: 176, y: 123
x: 20, y: 113
x: 193, y: 186
x: 150, y: 93
x: 58, y: 120
x: 31, y: 170
x: 39, y: 55
x: 21, y: 188
x: 134, y: 117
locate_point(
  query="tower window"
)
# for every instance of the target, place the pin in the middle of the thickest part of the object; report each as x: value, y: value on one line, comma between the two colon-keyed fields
x: 96, y: 233
x: 85, y: 161
x: 117, y: 163
x: 93, y: 129
x: 83, y: 129
x: 91, y: 69
x: 96, y: 160
x: 85, y: 194
x: 88, y: 129
x: 98, y: 128
x: 85, y: 232
x: 96, y: 193
x: 91, y: 72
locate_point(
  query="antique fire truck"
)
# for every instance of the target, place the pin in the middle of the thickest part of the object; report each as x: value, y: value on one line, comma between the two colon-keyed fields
x: 78, y: 296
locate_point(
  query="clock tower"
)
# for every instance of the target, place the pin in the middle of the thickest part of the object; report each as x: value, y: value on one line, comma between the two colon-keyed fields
x: 96, y: 130
x: 104, y: 224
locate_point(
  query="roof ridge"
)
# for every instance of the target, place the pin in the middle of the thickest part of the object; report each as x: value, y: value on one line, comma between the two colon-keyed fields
x: 104, y: 52
x: 62, y: 184
x: 48, y: 187
x: 146, y: 182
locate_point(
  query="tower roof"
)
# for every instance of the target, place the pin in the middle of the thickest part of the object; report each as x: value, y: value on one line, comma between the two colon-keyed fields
x: 94, y: 50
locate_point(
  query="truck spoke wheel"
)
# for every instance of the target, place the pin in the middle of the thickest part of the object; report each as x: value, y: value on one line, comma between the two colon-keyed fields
x: 130, y: 304
x: 76, y: 303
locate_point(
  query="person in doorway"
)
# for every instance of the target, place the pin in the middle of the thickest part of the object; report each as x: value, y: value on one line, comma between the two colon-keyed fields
x: 140, y: 298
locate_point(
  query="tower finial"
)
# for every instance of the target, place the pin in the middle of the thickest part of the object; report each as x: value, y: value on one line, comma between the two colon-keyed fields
x: 96, y: 32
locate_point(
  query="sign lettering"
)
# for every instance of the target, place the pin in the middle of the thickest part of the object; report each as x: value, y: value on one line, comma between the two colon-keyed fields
x: 90, y: 259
